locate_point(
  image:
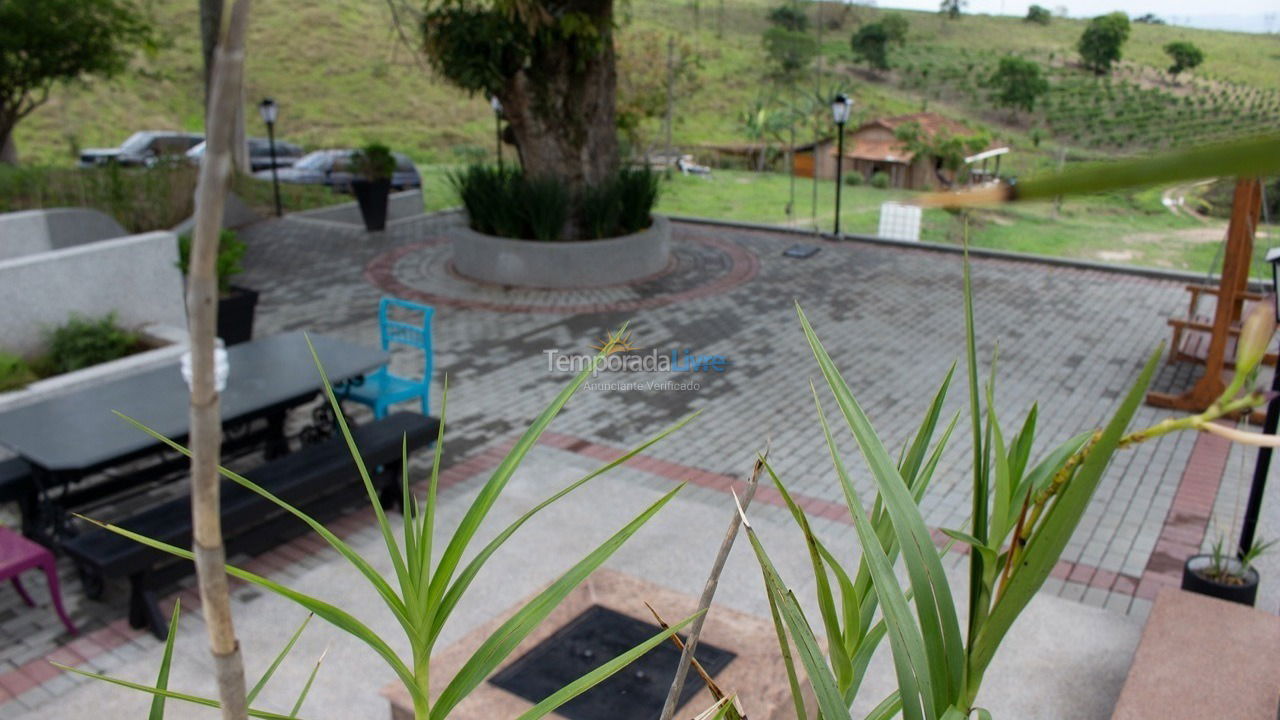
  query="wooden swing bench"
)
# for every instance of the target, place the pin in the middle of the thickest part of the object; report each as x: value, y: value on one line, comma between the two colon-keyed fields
x: 1193, y: 333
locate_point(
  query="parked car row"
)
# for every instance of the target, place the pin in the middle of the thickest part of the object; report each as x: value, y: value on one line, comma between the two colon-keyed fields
x: 321, y: 167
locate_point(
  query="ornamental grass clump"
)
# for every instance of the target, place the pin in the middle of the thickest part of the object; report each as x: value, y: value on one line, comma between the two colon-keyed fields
x: 422, y: 594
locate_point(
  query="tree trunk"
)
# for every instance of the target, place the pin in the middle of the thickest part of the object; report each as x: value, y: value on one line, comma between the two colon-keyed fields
x: 202, y: 319
x: 210, y: 27
x: 8, y: 148
x: 561, y: 107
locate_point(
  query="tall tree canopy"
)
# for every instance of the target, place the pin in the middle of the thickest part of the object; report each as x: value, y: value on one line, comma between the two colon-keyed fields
x: 1102, y: 41
x: 46, y: 42
x: 952, y: 8
x: 1017, y: 83
x: 790, y: 51
x: 1185, y: 56
x: 551, y: 63
x: 871, y: 44
x: 1039, y: 15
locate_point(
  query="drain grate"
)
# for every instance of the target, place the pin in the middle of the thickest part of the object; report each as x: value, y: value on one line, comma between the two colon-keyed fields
x: 598, y: 635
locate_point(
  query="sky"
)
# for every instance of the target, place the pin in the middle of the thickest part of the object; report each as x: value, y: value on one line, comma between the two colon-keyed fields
x: 1242, y: 15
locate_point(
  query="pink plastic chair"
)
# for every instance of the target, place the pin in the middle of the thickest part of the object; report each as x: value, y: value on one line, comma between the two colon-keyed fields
x: 18, y: 554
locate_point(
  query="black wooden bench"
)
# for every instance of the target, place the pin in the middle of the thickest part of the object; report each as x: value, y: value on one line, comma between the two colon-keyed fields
x: 321, y: 480
x: 15, y: 479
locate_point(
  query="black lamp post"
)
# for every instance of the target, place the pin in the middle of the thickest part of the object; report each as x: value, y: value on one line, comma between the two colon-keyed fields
x: 496, y: 104
x: 1254, y: 507
x: 268, y: 110
x: 840, y: 113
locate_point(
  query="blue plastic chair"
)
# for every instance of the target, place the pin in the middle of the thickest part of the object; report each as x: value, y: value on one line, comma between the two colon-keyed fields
x: 380, y: 389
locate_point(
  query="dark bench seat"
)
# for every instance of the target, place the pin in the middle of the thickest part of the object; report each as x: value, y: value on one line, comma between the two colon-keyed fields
x: 321, y: 480
x: 15, y: 479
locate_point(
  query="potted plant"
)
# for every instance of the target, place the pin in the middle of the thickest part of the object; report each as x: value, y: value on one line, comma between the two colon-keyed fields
x: 1221, y: 575
x: 371, y: 169
x: 236, y: 304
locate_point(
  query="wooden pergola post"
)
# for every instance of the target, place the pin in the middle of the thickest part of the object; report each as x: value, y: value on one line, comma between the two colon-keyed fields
x: 1246, y: 207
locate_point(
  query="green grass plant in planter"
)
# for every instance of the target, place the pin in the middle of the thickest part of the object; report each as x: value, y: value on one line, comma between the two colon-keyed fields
x: 426, y: 587
x: 236, y: 304
x: 1222, y: 574
x: 83, y: 342
x: 15, y: 373
x: 372, y: 167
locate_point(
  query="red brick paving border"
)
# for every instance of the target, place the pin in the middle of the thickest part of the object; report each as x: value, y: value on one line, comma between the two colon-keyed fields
x: 1180, y: 537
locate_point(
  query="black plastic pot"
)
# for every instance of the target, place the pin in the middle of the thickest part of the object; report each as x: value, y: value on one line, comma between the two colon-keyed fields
x: 235, y: 315
x: 1194, y: 581
x: 372, y: 196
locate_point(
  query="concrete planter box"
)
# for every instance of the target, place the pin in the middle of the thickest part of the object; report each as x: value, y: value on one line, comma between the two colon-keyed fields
x: 168, y: 343
x: 534, y: 264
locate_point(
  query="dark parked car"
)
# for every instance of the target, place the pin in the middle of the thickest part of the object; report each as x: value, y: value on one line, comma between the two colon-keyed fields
x: 331, y: 167
x: 142, y: 149
x: 260, y: 153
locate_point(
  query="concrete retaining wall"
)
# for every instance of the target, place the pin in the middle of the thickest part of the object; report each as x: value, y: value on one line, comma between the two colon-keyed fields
x: 592, y: 263
x: 35, y: 231
x: 401, y: 205
x: 135, y: 276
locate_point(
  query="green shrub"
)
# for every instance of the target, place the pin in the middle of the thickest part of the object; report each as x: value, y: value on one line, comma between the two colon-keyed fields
x: 373, y: 162
x: 14, y: 372
x: 230, y: 252
x: 880, y: 180
x: 506, y: 203
x: 83, y: 342
x: 854, y: 178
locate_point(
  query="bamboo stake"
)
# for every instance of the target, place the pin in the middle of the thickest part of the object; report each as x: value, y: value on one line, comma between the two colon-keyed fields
x: 202, y: 320
x: 708, y: 592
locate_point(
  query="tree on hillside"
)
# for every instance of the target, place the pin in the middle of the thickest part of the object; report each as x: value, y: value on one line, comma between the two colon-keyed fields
x: 1149, y: 19
x: 871, y: 44
x: 896, y: 26
x: 953, y: 8
x: 1185, y: 56
x: 790, y: 52
x: 551, y: 63
x: 1102, y: 41
x: 46, y: 42
x: 1018, y: 83
x: 1039, y: 14
x: 789, y: 17
x: 646, y: 82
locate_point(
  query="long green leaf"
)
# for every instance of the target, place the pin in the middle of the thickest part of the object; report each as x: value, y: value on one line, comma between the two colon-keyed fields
x: 335, y: 616
x: 499, y: 645
x: 166, y: 660
x: 161, y: 692
x: 910, y: 465
x: 468, y: 574
x: 1059, y: 522
x: 784, y: 647
x: 934, y: 605
x: 275, y: 664
x: 979, y: 597
x: 910, y: 659
x: 489, y: 493
x: 306, y: 689
x: 602, y: 673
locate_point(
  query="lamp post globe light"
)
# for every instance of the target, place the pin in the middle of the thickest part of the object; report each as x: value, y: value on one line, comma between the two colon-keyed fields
x: 1253, y: 507
x: 840, y: 106
x: 496, y: 104
x: 269, y: 110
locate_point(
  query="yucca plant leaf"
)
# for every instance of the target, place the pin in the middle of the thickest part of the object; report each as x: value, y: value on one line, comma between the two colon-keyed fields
x: 1058, y: 523
x: 488, y: 495
x: 831, y: 703
x: 161, y: 692
x: 335, y: 616
x: 1021, y: 445
x: 1002, y: 510
x: 602, y: 673
x: 384, y: 590
x: 788, y: 662
x: 455, y: 592
x: 427, y: 521
x: 275, y: 664
x: 850, y: 602
x: 910, y: 659
x: 397, y: 559
x: 499, y: 645
x: 1042, y: 474
x: 979, y: 594
x: 166, y: 660
x: 934, y: 605
x: 826, y: 601
x: 953, y: 713
x: 911, y: 462
x: 306, y: 689
x: 887, y: 709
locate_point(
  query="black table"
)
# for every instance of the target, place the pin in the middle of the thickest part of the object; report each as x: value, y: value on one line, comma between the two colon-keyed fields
x: 69, y: 437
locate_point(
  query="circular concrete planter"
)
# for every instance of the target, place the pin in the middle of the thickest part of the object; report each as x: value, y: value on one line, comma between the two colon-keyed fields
x: 535, y: 264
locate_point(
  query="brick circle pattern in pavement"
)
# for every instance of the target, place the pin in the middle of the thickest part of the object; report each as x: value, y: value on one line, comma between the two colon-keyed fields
x: 700, y: 266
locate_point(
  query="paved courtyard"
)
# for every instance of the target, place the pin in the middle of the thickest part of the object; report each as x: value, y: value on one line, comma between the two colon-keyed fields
x: 1070, y: 339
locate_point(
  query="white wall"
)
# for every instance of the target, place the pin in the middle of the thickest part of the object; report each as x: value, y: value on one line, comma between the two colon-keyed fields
x: 33, y: 231
x: 136, y: 276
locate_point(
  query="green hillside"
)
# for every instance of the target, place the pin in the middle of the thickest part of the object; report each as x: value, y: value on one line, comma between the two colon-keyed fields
x: 342, y: 77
